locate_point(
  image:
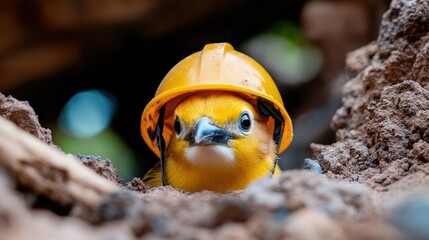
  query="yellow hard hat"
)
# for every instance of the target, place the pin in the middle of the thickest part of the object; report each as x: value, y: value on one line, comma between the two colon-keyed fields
x: 218, y: 67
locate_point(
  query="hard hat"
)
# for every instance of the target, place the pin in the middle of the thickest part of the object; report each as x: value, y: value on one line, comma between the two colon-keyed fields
x: 218, y: 67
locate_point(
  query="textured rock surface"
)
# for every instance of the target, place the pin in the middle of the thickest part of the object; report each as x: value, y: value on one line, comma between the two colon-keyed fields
x: 101, y: 166
x: 382, y: 127
x: 23, y: 115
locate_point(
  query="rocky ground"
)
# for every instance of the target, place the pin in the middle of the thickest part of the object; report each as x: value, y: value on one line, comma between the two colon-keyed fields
x: 374, y: 183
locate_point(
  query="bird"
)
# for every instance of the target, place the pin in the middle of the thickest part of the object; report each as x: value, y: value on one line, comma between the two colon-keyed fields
x: 217, y: 122
x: 220, y: 143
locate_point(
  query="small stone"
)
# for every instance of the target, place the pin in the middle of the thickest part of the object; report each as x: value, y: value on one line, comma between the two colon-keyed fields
x: 405, y: 166
x: 310, y: 164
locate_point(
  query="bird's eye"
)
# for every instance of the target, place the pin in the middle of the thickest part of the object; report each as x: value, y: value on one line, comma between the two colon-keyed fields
x: 177, y: 126
x: 245, y: 123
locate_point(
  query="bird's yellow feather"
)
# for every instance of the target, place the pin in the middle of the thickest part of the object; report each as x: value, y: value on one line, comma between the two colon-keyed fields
x: 250, y: 155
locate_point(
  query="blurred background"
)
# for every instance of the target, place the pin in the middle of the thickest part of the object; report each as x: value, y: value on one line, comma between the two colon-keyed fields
x: 89, y: 68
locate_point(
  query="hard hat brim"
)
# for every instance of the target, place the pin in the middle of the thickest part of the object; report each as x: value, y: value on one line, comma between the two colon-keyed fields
x: 173, y: 97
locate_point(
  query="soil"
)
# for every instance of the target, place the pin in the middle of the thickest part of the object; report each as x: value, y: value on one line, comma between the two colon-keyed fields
x: 382, y: 128
x: 23, y: 115
x: 373, y: 186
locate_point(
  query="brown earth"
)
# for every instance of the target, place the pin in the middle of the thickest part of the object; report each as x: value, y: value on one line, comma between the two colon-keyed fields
x: 382, y: 128
x: 374, y: 184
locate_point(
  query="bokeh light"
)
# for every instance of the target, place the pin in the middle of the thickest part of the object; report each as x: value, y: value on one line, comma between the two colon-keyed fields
x: 285, y: 53
x: 84, y: 128
x: 87, y: 113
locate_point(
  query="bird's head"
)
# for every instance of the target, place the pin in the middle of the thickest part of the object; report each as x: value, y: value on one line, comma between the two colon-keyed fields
x: 220, y: 131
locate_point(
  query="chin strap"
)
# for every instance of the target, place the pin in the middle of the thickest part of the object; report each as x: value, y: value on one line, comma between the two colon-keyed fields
x: 267, y: 108
x: 161, y: 143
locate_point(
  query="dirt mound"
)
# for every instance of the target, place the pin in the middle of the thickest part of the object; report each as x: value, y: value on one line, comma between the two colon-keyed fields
x: 382, y: 128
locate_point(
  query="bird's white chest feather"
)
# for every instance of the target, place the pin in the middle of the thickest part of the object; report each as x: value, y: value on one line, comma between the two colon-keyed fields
x: 211, y: 155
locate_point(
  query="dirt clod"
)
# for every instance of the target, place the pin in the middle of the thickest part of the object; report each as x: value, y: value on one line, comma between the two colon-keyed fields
x: 101, y: 166
x: 23, y: 115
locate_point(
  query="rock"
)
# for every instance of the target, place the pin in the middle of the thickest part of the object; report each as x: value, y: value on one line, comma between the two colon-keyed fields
x: 102, y: 167
x: 381, y: 128
x: 23, y: 115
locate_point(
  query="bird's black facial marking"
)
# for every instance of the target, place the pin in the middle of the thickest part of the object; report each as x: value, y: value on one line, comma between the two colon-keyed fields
x: 177, y: 126
x: 245, y: 122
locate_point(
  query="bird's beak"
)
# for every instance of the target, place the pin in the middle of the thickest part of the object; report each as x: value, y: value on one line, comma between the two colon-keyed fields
x: 204, y: 132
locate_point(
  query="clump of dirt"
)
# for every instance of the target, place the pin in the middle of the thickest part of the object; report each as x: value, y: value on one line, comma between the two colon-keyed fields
x: 23, y: 115
x: 382, y: 128
x: 137, y: 184
x: 102, y: 167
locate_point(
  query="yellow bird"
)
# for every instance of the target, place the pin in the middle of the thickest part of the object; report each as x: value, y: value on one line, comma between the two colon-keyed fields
x: 220, y: 143
x: 217, y: 122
